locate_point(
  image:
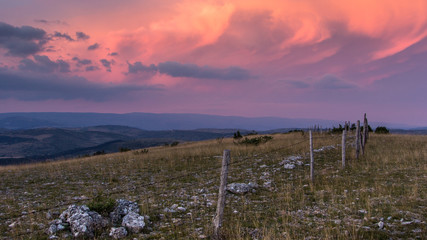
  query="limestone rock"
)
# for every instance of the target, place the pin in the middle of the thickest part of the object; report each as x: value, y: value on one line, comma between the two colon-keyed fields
x: 289, y: 166
x: 83, y: 222
x: 133, y: 222
x: 381, y: 225
x: 175, y: 208
x: 123, y: 207
x: 118, y: 233
x: 241, y: 188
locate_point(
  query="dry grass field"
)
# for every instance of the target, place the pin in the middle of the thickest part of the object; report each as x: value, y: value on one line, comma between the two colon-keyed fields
x: 388, y: 185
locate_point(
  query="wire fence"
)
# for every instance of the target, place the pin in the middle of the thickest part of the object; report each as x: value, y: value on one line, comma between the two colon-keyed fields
x: 214, y: 171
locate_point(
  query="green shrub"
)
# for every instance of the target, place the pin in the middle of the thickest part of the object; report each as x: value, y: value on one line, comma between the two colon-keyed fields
x: 174, y: 144
x: 124, y: 149
x: 255, y: 141
x: 142, y: 151
x: 252, y: 133
x: 296, y: 130
x: 99, y: 153
x: 102, y: 205
x: 237, y: 135
x: 382, y: 130
x: 339, y: 129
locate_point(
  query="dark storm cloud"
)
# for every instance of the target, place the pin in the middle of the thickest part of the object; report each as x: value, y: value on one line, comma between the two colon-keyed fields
x: 113, y: 54
x: 139, y: 67
x: 63, y: 35
x: 42, y: 64
x: 81, y: 61
x: 91, y: 68
x: 106, y: 64
x: 82, y: 36
x: 176, y: 69
x: 330, y: 81
x: 21, y: 41
x: 32, y: 87
x: 93, y: 47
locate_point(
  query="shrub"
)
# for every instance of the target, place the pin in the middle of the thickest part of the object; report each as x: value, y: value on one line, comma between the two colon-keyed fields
x: 142, y: 151
x: 296, y: 130
x: 174, y: 144
x: 382, y: 130
x: 252, y: 133
x: 124, y: 149
x: 99, y: 153
x: 339, y: 129
x: 237, y: 135
x: 255, y: 141
x: 102, y: 205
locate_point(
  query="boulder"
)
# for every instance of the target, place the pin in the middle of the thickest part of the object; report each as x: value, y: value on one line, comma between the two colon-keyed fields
x: 133, y: 222
x: 56, y: 226
x: 82, y: 221
x: 118, y: 233
x: 123, y: 207
x: 289, y: 166
x: 241, y: 188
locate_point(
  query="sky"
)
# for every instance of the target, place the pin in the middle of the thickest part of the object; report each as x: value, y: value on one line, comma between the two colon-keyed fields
x: 328, y: 59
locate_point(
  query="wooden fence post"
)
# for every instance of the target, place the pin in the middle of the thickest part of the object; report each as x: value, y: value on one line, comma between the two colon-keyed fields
x: 367, y: 128
x: 221, y: 196
x: 344, y: 133
x: 311, y: 159
x: 357, y: 139
x: 365, y: 133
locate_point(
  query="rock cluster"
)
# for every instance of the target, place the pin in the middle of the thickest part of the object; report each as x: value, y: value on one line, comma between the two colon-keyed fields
x: 241, y: 188
x: 84, y: 223
x: 291, y: 162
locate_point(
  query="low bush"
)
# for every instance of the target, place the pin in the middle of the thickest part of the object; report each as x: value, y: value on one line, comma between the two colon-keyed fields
x: 102, y: 205
x: 382, y: 130
x: 255, y: 141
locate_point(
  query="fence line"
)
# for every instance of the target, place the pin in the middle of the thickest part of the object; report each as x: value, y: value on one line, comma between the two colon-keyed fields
x: 201, y: 170
x: 170, y: 179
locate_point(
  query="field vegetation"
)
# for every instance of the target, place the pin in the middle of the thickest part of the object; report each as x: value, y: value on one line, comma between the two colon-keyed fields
x: 382, y: 195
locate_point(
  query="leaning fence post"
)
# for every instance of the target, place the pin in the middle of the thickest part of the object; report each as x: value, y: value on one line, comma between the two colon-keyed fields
x: 357, y: 139
x: 344, y: 133
x: 365, y: 133
x: 221, y: 196
x: 311, y: 158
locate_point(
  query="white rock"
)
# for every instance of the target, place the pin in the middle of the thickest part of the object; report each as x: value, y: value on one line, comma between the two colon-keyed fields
x: 83, y: 222
x: 289, y: 166
x: 181, y: 209
x: 12, y: 225
x: 133, y: 222
x: 363, y: 211
x: 118, y: 233
x: 241, y: 188
x: 381, y: 225
x: 123, y: 207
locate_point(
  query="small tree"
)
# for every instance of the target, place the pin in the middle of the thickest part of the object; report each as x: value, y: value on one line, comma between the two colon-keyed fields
x: 237, y: 135
x: 382, y: 130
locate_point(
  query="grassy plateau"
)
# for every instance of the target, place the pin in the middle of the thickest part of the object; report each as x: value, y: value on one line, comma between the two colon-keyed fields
x: 386, y: 186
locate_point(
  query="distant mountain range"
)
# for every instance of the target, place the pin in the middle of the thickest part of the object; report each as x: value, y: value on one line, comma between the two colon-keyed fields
x: 165, y: 121
x: 33, y: 145
x: 33, y: 137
